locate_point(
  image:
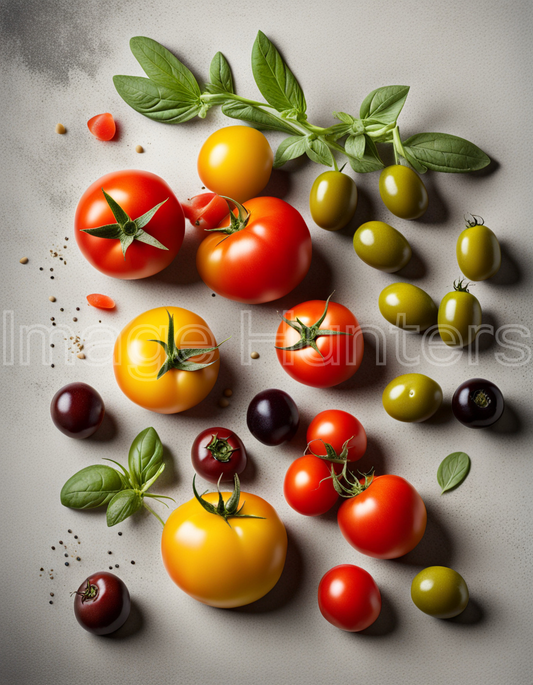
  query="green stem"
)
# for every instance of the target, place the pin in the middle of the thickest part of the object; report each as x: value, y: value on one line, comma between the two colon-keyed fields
x: 156, y: 515
x: 397, y: 144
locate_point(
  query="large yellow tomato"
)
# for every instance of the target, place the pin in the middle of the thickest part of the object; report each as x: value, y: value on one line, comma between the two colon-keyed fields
x: 138, y: 360
x: 224, y: 563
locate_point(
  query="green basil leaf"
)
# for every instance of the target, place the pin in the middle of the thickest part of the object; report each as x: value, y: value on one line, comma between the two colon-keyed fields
x: 414, y: 162
x: 273, y: 77
x: 370, y: 161
x: 92, y: 487
x: 384, y: 104
x: 164, y: 69
x: 220, y: 75
x: 318, y: 151
x: 453, y: 470
x: 155, y: 102
x: 444, y: 152
x: 290, y: 148
x: 145, y: 456
x: 122, y: 505
x: 355, y: 146
x: 345, y: 118
x: 258, y: 117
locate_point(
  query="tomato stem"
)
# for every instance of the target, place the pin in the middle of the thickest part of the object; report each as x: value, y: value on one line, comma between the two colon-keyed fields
x: 226, y: 510
x: 220, y: 448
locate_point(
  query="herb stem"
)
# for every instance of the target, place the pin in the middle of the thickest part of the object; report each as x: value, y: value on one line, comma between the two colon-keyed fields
x: 156, y: 515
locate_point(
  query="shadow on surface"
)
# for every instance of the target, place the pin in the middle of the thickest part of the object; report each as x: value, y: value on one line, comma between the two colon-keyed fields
x: 386, y: 621
x: 510, y: 272
x: 108, y: 429
x: 435, y: 548
x: 415, y: 268
x: 279, y: 184
x: 133, y: 625
x: 437, y: 212
x: 443, y: 414
x: 509, y: 423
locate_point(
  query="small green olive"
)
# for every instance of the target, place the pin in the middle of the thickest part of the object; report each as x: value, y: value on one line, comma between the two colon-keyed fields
x: 412, y: 398
x: 381, y: 246
x: 403, y: 192
x: 407, y: 306
x: 459, y: 317
x: 333, y: 200
x: 440, y: 592
x: 478, y: 251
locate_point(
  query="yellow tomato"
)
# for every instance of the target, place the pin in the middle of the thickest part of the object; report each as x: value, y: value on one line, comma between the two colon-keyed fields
x: 137, y: 360
x: 236, y: 161
x: 224, y: 565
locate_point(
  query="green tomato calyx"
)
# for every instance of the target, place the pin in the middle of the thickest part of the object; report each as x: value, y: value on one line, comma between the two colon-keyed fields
x: 474, y: 220
x: 460, y: 286
x: 309, y: 334
x: 126, y: 230
x: 352, y: 486
x: 228, y: 509
x: 481, y: 399
x: 220, y: 448
x: 331, y: 455
x: 178, y: 358
x: 236, y: 222
x: 90, y: 592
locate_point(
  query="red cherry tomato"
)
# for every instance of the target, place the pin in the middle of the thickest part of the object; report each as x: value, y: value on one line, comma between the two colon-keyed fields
x: 349, y: 598
x: 263, y: 260
x: 102, y: 126
x: 102, y: 603
x: 308, y: 487
x: 218, y: 452
x: 137, y: 192
x: 100, y: 301
x: 335, y: 427
x: 386, y: 520
x: 206, y: 210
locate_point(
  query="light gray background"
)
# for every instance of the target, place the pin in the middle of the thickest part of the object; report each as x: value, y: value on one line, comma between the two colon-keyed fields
x: 468, y: 68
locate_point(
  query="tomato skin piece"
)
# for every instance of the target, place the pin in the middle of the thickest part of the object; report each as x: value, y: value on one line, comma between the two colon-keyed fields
x: 100, y: 301
x: 137, y: 192
x: 349, y: 598
x: 102, y: 126
x: 335, y: 426
x: 206, y: 210
x: 308, y: 487
x: 386, y: 521
x: 262, y: 262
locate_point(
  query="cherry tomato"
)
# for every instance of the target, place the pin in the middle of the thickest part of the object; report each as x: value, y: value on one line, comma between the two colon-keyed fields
x: 261, y: 259
x: 349, y: 598
x: 478, y: 403
x: 478, y: 251
x: 272, y: 417
x: 440, y: 592
x: 459, y: 317
x: 77, y: 410
x: 102, y: 603
x: 206, y: 210
x: 386, y: 520
x: 236, y: 161
x: 335, y: 427
x: 381, y: 246
x: 100, y: 301
x: 333, y: 200
x: 156, y: 241
x: 308, y: 487
x: 102, y: 126
x: 407, y: 306
x: 403, y: 192
x: 218, y: 453
x: 323, y: 346
x: 412, y: 397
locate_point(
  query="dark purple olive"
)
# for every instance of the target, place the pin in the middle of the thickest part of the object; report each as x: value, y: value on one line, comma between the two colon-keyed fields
x: 77, y: 410
x: 272, y: 417
x: 477, y: 403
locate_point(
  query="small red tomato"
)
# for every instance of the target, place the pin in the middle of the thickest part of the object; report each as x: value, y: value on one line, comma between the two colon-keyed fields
x: 102, y: 126
x: 100, y: 301
x: 308, y: 487
x: 218, y: 452
x: 349, y: 598
x: 335, y: 427
x: 102, y: 603
x: 206, y: 210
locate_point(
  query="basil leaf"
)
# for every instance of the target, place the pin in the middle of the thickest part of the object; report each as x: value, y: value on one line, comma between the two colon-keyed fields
x: 164, y: 69
x: 122, y: 505
x: 155, y: 102
x: 274, y: 79
x: 345, y: 118
x: 413, y: 161
x: 145, y: 456
x: 318, y: 151
x: 258, y: 117
x: 444, y: 152
x: 290, y: 148
x: 355, y: 146
x: 384, y: 104
x: 453, y: 470
x: 91, y: 487
x: 220, y: 75
x: 370, y: 161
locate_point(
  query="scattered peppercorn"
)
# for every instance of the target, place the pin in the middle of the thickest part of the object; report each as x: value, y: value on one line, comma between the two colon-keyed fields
x: 53, y: 366
x: 52, y: 278
x: 41, y: 569
x: 50, y: 602
x: 66, y: 238
x: 213, y: 295
x: 66, y: 555
x: 75, y: 537
x: 110, y: 568
x: 51, y: 594
x: 52, y: 318
x: 78, y: 559
x: 51, y: 269
x: 74, y: 319
x: 133, y: 562
x: 61, y: 309
x: 61, y: 542
x: 69, y: 531
x: 66, y: 563
x: 116, y: 565
x: 109, y: 552
x: 77, y: 309
x: 120, y: 533
x: 53, y: 547
x: 40, y: 268
x: 255, y: 355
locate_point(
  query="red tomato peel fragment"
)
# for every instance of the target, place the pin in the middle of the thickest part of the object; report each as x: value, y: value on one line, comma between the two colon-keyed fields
x: 102, y: 126
x: 206, y: 210
x: 100, y: 301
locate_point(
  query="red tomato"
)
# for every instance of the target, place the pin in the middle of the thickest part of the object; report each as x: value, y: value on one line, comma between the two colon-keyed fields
x: 349, y: 598
x: 263, y: 260
x: 218, y: 453
x: 386, y: 520
x: 137, y: 192
x: 100, y: 301
x: 340, y: 346
x: 335, y: 427
x: 308, y: 487
x: 206, y: 210
x: 102, y: 126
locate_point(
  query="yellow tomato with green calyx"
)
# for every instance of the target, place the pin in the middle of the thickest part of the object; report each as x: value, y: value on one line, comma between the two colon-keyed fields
x: 225, y: 556
x: 166, y: 360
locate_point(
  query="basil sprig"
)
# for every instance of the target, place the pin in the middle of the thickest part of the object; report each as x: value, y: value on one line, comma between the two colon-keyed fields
x: 453, y: 470
x: 123, y: 491
x: 171, y: 94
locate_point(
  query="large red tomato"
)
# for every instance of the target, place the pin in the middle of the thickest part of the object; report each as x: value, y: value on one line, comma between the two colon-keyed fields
x: 261, y: 256
x: 126, y: 238
x: 319, y: 343
x: 386, y: 520
x: 335, y: 427
x: 308, y: 487
x: 349, y: 598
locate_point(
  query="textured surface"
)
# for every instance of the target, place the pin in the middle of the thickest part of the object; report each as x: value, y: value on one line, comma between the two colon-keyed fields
x: 467, y: 65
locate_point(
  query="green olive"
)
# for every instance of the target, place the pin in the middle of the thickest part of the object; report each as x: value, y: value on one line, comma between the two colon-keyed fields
x: 381, y: 246
x: 407, y: 306
x: 459, y: 317
x: 403, y: 192
x: 478, y: 251
x: 412, y: 398
x: 333, y: 200
x: 440, y: 592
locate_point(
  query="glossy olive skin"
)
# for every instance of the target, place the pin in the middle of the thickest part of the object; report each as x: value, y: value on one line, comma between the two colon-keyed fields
x: 459, y: 318
x: 77, y: 410
x: 412, y: 398
x: 272, y: 417
x: 478, y: 253
x: 403, y: 192
x: 381, y: 246
x: 478, y: 403
x: 407, y: 306
x: 106, y: 608
x: 225, y: 458
x: 333, y: 200
x: 439, y: 592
